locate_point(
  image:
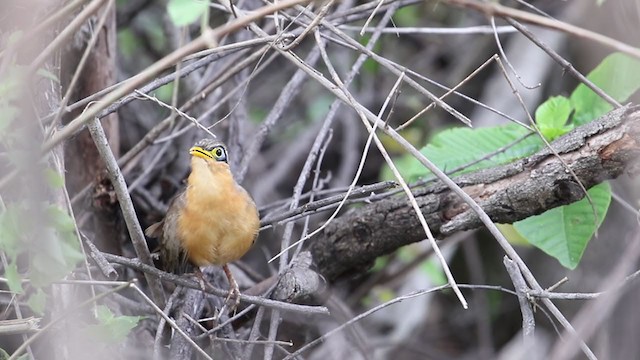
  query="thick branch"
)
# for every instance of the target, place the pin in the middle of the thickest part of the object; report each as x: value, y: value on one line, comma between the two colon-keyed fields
x: 597, y: 151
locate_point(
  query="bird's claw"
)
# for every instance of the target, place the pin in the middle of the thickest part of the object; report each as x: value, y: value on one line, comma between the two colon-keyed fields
x: 233, y: 299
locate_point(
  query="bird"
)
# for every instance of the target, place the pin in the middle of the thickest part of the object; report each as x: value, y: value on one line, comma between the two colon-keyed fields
x: 213, y: 221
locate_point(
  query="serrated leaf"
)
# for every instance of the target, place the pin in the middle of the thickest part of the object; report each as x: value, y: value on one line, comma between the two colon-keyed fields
x: 617, y: 75
x: 112, y: 328
x: 185, y: 12
x: 552, y: 116
x: 37, y: 301
x: 565, y: 231
x: 459, y: 146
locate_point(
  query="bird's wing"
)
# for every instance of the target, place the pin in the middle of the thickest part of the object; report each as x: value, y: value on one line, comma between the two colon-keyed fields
x: 172, y: 254
x: 155, y: 230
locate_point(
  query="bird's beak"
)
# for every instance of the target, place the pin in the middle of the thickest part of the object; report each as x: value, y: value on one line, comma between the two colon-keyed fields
x: 201, y: 153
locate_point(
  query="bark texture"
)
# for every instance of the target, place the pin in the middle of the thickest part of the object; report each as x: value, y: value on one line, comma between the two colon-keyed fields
x: 600, y: 150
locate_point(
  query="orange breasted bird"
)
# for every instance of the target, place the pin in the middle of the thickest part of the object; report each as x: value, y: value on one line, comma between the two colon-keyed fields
x: 213, y: 221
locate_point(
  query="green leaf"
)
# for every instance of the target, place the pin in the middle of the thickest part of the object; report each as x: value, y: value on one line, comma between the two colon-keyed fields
x: 379, y: 264
x: 552, y: 116
x: 37, y: 301
x: 459, y: 146
x: 433, y: 269
x: 112, y: 328
x: 565, y: 231
x: 59, y: 219
x: 512, y: 235
x: 47, y: 74
x: 617, y: 75
x: 185, y: 12
x: 10, y: 231
x: 13, y: 278
x: 318, y: 108
x: 370, y: 66
x: 407, y: 16
x: 165, y: 92
x: 128, y: 42
x: 57, y: 256
x: 54, y: 179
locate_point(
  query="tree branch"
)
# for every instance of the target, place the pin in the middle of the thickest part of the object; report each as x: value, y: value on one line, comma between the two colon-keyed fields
x: 600, y: 150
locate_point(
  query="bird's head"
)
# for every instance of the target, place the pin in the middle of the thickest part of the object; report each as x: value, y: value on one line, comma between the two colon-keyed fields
x: 210, y: 150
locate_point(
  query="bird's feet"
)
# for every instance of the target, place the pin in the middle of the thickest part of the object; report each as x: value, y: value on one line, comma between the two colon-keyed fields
x: 201, y: 280
x: 233, y: 299
x: 234, y: 290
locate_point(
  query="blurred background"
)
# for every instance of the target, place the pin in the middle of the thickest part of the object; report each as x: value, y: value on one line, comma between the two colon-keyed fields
x: 270, y: 114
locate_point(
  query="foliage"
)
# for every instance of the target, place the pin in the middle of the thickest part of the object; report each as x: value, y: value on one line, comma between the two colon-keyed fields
x: 562, y: 232
x: 111, y: 328
x: 37, y: 237
x: 185, y: 12
x: 617, y: 75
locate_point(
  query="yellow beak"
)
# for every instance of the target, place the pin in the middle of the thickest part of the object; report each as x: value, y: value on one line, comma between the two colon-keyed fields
x: 200, y: 152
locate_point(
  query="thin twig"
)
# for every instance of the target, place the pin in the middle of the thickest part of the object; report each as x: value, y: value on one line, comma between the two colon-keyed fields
x: 133, y: 225
x: 491, y: 8
x: 332, y: 112
x: 363, y: 315
x: 192, y: 284
x: 566, y: 66
x: 351, y: 101
x: 195, y: 122
x: 69, y: 30
x: 591, y: 316
x: 79, y: 68
x: 157, y: 343
x: 208, y: 38
x: 484, y: 218
x: 469, y: 30
x: 66, y: 313
x: 504, y: 57
x: 310, y: 207
x: 172, y: 323
x: 105, y: 267
x: 528, y: 321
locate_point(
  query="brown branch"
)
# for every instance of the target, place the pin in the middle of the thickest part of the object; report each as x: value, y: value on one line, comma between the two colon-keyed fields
x: 600, y: 150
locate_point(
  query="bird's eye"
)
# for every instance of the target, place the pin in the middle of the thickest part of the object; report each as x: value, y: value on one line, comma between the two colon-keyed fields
x: 220, y: 154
